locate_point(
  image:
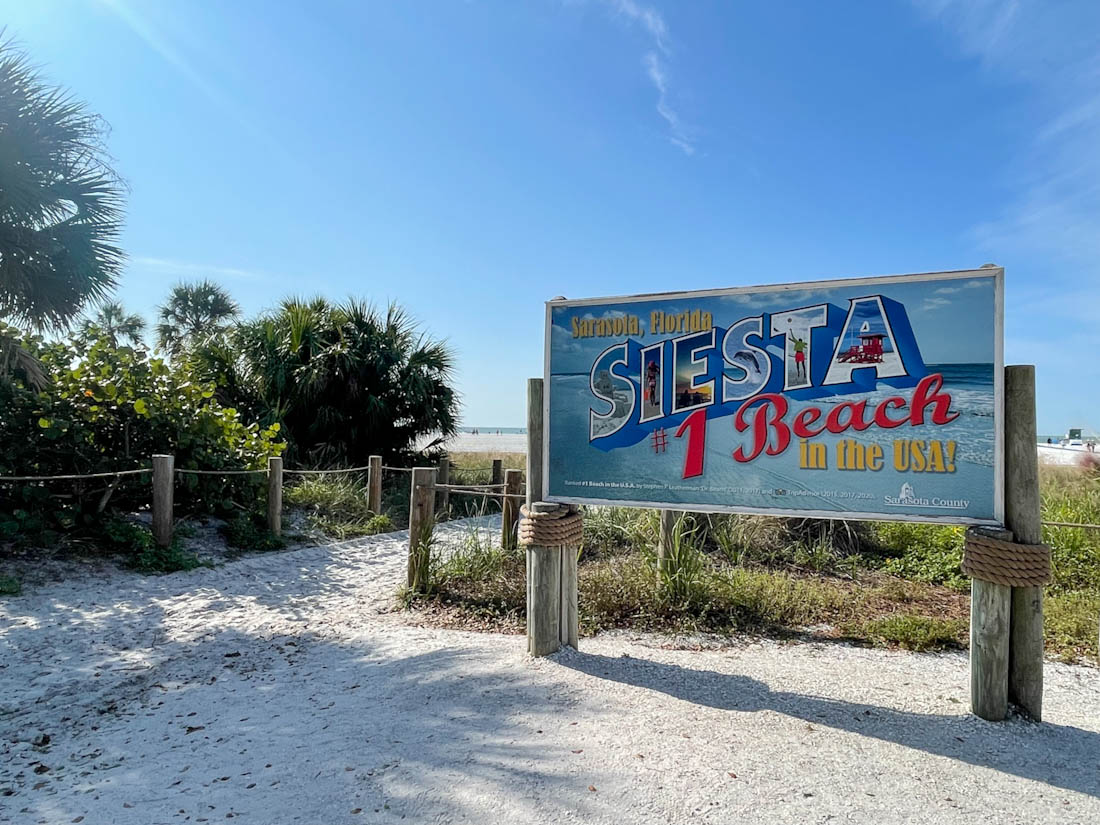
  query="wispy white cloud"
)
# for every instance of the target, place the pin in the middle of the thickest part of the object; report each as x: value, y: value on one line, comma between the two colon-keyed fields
x: 655, y: 62
x: 141, y: 25
x: 188, y: 269
x: 646, y: 16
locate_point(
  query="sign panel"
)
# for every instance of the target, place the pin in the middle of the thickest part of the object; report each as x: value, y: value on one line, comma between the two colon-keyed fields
x: 873, y: 398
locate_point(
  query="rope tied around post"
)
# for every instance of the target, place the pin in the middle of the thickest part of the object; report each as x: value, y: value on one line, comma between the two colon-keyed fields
x: 549, y: 525
x: 1005, y: 562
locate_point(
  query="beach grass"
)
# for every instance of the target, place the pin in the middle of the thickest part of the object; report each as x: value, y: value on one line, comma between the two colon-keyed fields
x: 886, y: 584
x: 337, y: 506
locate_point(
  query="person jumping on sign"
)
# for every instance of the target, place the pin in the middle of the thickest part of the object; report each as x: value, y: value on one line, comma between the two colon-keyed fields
x: 800, y: 358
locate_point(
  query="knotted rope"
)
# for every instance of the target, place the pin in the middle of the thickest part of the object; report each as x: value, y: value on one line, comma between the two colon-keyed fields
x: 549, y: 525
x: 1005, y: 562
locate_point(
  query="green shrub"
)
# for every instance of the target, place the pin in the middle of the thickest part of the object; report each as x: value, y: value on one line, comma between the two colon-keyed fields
x: 924, y: 552
x: 107, y: 407
x: 10, y: 586
x: 337, y: 506
x: 249, y: 531
x: 916, y: 632
x: 140, y: 551
x: 1070, y: 624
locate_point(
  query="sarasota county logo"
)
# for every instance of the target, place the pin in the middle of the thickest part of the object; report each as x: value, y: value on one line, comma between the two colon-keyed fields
x: 907, y: 497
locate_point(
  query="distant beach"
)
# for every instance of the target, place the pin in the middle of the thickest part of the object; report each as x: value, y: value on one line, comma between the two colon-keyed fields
x: 496, y: 440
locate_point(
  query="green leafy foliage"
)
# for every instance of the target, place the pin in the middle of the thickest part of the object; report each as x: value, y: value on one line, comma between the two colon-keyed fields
x: 916, y: 632
x: 192, y: 314
x: 249, y: 531
x: 346, y: 381
x: 106, y: 408
x: 10, y: 586
x: 924, y: 552
x: 337, y: 506
x: 60, y: 202
x: 135, y: 543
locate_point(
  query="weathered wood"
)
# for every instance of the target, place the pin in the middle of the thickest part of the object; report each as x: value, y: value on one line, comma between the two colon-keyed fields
x: 163, y: 486
x: 374, y: 484
x: 421, y: 523
x: 513, y: 480
x: 569, y: 621
x: 535, y: 458
x: 443, y: 476
x: 990, y: 617
x: 543, y: 600
x: 665, y: 539
x: 1022, y: 517
x: 498, y: 472
x: 275, y: 495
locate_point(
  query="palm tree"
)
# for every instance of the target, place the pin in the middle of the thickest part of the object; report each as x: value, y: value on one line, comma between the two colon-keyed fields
x: 60, y: 201
x: 344, y: 381
x: 115, y: 324
x: 193, y: 313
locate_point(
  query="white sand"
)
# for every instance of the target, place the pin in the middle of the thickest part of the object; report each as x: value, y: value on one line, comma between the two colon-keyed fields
x: 485, y: 443
x: 281, y: 689
x: 1067, y: 456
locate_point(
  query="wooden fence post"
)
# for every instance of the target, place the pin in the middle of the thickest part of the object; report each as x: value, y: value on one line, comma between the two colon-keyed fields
x: 990, y: 619
x: 275, y: 495
x: 443, y: 476
x: 543, y: 594
x: 509, y: 509
x: 163, y: 484
x: 1023, y: 518
x: 552, y: 618
x: 497, y: 472
x: 534, y: 441
x: 374, y: 484
x: 421, y: 523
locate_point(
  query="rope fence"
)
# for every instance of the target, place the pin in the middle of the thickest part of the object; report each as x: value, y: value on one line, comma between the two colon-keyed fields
x: 77, y: 477
x: 489, y: 490
x: 328, y: 472
x: 220, y: 472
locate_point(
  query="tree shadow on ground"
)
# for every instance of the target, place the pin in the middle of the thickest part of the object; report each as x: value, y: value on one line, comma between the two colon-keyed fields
x: 990, y: 746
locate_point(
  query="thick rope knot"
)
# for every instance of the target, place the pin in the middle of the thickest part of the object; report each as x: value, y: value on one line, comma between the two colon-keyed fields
x: 1005, y: 562
x: 549, y: 525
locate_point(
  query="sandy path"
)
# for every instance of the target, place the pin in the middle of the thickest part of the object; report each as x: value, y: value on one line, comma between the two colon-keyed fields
x: 279, y: 689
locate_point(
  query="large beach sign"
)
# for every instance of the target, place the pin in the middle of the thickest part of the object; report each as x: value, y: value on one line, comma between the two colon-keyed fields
x: 871, y: 398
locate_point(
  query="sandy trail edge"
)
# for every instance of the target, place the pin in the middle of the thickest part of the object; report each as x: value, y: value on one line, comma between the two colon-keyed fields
x: 280, y: 689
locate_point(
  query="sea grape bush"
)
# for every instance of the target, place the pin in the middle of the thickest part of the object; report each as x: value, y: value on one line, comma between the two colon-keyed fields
x: 106, y: 407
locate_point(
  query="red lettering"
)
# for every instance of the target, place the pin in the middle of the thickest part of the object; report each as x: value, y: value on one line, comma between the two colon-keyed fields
x: 804, y: 420
x: 928, y: 394
x: 885, y: 421
x: 855, y: 417
x: 762, y: 426
x: 771, y: 435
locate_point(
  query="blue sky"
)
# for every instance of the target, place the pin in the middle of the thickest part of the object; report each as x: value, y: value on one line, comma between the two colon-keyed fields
x: 472, y: 159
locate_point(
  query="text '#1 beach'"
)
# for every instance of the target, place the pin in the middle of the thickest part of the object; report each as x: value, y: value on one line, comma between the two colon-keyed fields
x: 866, y: 398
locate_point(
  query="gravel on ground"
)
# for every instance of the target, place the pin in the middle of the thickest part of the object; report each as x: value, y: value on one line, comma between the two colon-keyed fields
x: 286, y: 688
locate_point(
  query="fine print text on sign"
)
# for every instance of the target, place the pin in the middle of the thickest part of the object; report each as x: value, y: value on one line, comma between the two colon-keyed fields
x: 866, y: 398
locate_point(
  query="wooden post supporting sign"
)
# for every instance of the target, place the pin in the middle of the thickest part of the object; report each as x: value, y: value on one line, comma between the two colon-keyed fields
x: 552, y: 614
x: 1006, y: 623
x: 1022, y: 517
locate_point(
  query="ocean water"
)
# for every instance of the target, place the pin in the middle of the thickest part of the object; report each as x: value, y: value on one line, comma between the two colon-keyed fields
x: 640, y: 473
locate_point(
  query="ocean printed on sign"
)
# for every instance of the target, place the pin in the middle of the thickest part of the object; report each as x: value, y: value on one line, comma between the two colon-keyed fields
x: 833, y: 385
